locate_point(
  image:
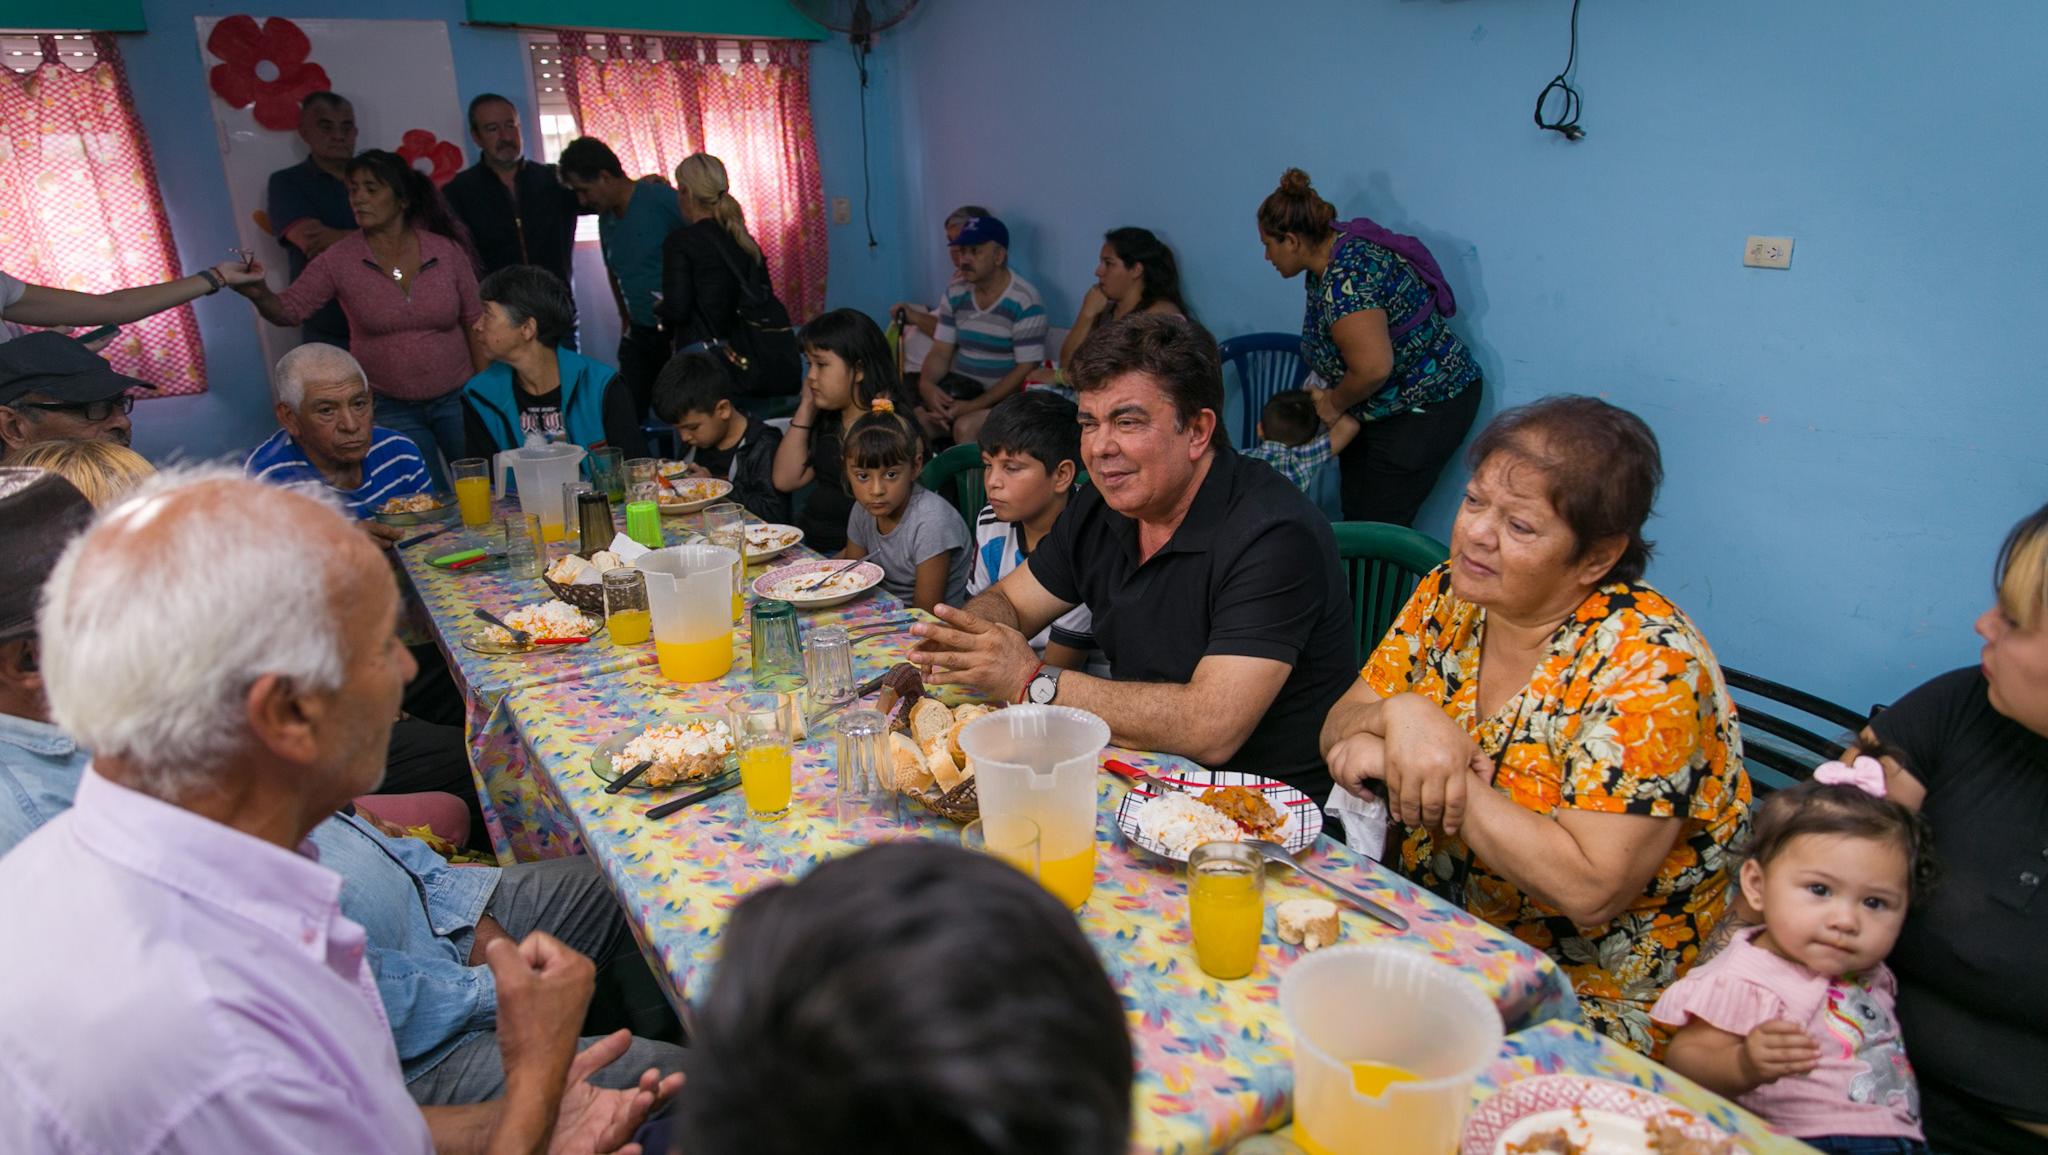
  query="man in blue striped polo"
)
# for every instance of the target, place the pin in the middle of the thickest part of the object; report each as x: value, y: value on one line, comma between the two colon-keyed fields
x: 323, y: 403
x: 991, y: 328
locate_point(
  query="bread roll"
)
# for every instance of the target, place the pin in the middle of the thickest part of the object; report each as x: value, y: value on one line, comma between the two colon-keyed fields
x: 953, y: 742
x: 971, y: 711
x: 1311, y: 922
x: 909, y: 774
x: 929, y: 719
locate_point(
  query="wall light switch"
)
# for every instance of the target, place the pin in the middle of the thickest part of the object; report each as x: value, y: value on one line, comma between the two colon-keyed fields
x: 1768, y: 253
x: 842, y: 213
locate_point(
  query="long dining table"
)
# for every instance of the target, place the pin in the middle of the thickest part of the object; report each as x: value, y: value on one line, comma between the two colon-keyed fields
x: 1213, y: 1056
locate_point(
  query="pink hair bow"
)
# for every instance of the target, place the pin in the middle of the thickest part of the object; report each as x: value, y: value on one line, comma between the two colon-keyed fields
x: 1865, y: 774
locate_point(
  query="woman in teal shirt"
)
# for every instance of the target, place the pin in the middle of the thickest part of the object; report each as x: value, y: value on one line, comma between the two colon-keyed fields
x: 1374, y: 331
x: 533, y: 386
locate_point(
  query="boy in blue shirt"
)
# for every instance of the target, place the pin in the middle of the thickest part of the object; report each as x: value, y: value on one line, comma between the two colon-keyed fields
x: 1030, y: 458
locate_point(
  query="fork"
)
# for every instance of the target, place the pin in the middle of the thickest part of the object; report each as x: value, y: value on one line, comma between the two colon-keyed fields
x: 519, y: 637
x: 849, y: 567
x: 1141, y: 778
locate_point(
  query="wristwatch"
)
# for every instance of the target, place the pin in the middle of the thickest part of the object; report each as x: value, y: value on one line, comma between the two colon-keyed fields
x: 1039, y: 691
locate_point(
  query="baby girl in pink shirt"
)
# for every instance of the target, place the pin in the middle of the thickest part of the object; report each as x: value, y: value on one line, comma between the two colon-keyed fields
x: 1795, y: 1018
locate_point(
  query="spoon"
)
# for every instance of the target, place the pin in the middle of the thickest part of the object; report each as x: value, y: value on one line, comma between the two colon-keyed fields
x: 519, y: 637
x: 1278, y: 853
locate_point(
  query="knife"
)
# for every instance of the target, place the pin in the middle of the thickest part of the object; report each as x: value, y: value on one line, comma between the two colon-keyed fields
x: 719, y: 785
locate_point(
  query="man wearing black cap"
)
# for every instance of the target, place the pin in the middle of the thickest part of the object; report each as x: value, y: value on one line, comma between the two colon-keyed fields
x: 39, y: 766
x: 54, y: 389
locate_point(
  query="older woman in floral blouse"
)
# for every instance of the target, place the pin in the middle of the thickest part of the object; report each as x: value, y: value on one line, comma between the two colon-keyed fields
x: 1553, y: 731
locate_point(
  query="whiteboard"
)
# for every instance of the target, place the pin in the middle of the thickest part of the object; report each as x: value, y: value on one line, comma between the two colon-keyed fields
x: 400, y: 77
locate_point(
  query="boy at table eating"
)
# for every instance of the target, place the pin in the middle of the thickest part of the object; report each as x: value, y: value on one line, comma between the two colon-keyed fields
x: 694, y: 394
x: 1031, y: 461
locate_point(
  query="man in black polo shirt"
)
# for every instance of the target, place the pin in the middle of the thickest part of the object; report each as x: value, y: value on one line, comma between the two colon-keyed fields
x: 1214, y: 584
x: 517, y: 211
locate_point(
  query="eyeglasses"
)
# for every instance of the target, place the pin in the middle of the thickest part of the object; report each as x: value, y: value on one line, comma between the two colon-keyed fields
x: 88, y: 410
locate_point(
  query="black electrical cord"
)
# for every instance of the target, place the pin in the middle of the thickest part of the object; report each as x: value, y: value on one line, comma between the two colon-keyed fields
x: 867, y: 212
x: 1567, y: 123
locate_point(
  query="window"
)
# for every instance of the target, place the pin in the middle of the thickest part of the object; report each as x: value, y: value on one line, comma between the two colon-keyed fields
x: 79, y: 193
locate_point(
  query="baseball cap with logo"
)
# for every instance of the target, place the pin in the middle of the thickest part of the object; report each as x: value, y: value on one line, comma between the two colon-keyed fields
x: 979, y: 230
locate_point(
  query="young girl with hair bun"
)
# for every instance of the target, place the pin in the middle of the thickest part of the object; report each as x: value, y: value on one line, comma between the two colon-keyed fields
x: 917, y: 537
x: 1796, y: 1018
x: 850, y: 367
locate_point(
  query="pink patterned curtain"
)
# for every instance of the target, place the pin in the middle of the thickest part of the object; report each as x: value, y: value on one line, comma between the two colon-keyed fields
x: 80, y: 209
x: 755, y: 116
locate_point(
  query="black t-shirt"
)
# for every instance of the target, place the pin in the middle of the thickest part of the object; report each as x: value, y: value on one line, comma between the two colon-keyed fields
x: 1973, y: 996
x: 828, y: 503
x: 1252, y: 571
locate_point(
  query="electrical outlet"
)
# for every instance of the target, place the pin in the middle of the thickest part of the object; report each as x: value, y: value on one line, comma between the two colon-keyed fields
x: 842, y: 211
x: 1768, y: 253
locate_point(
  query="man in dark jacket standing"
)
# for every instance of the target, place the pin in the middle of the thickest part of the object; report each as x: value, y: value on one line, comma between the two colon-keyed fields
x: 516, y: 210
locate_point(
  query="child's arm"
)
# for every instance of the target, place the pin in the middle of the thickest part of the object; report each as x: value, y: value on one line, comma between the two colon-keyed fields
x: 1734, y: 1065
x: 1342, y: 431
x: 1065, y: 657
x: 853, y: 550
x: 932, y: 574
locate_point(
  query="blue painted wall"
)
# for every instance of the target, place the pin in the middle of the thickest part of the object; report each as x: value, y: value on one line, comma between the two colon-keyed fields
x: 168, y: 76
x: 1846, y: 442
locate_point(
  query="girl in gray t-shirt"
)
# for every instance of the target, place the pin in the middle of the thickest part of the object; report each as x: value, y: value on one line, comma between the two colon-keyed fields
x: 917, y: 537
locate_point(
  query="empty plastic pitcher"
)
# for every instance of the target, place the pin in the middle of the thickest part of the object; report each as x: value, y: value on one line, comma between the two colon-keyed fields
x: 1039, y: 762
x: 539, y: 472
x: 1387, y: 1044
x: 689, y: 591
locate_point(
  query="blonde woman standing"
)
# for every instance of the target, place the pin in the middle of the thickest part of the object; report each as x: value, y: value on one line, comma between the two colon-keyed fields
x: 716, y: 293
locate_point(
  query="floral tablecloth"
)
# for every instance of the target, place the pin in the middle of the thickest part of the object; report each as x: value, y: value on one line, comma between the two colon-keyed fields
x: 522, y: 824
x: 1213, y: 1056
x: 1561, y: 1048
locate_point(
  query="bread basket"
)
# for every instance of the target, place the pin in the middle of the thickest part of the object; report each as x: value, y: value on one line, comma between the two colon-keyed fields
x: 589, y: 599
x: 960, y: 804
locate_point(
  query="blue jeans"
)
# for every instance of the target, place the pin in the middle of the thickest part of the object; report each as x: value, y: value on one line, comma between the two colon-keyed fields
x: 435, y: 426
x: 1867, y: 1145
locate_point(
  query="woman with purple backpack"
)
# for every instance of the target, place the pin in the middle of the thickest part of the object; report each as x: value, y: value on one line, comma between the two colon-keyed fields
x: 1375, y: 331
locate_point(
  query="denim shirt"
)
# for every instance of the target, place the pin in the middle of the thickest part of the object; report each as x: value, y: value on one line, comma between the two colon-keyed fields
x: 419, y: 912
x: 39, y: 770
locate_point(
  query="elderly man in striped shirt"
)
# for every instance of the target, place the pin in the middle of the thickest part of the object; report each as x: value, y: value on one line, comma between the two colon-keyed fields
x: 323, y: 402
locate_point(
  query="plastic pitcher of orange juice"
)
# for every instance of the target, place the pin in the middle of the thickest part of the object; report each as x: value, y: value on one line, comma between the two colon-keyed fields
x: 689, y: 593
x: 539, y: 471
x: 1387, y: 1044
x: 1039, y: 762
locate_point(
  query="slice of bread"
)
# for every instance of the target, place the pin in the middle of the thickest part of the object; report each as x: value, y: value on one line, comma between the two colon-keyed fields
x: 1311, y: 922
x: 939, y: 761
x: 929, y: 719
x: 911, y: 777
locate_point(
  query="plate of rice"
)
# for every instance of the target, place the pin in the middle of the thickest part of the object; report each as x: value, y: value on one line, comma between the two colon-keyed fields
x: 1216, y: 806
x: 681, y: 494
x: 549, y: 623
x: 416, y: 509
x: 686, y: 750
x: 767, y: 540
x: 1577, y: 1115
x: 791, y: 583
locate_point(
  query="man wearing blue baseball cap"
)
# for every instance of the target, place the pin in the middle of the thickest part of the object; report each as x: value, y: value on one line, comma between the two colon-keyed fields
x: 991, y: 328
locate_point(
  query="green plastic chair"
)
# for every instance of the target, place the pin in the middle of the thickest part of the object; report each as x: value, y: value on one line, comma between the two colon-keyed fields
x: 1382, y: 566
x: 956, y: 474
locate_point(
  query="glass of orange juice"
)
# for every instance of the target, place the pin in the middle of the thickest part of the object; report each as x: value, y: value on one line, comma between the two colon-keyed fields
x: 1226, y: 907
x: 472, y: 490
x: 764, y: 726
x: 625, y: 606
x: 1010, y: 837
x: 725, y: 526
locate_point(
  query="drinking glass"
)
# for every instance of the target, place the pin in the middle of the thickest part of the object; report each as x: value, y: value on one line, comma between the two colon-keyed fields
x: 1226, y: 907
x: 764, y: 725
x: 626, y: 612
x: 1010, y: 837
x: 778, y: 657
x: 522, y: 545
x: 643, y: 523
x: 608, y: 472
x: 641, y: 483
x: 472, y: 490
x: 571, y: 490
x: 828, y: 666
x: 725, y: 526
x: 866, y: 787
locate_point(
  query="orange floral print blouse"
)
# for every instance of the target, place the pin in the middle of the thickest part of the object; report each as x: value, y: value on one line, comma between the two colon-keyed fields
x: 1626, y: 713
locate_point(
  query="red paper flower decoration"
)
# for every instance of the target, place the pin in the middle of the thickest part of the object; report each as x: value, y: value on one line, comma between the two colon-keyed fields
x: 242, y: 46
x: 446, y: 158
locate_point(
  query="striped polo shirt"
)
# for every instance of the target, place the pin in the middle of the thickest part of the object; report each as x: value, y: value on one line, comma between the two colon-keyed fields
x: 393, y: 468
x: 990, y: 342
